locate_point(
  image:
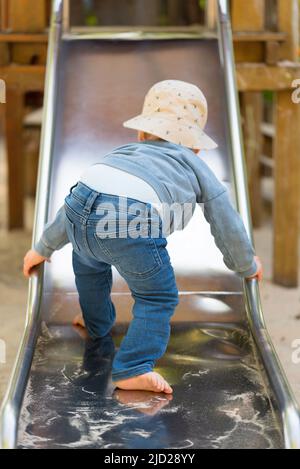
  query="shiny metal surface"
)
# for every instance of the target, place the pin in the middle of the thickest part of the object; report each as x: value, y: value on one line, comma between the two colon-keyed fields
x: 12, y: 402
x: 225, y: 395
x: 219, y: 399
x: 287, y: 405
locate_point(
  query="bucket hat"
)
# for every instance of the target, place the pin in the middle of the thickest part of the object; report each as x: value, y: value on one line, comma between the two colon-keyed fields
x: 175, y: 111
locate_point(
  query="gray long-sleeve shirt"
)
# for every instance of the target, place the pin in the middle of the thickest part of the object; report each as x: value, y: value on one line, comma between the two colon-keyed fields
x: 179, y: 177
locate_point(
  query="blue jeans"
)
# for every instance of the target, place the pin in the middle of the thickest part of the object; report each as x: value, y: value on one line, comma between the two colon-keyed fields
x: 103, y: 230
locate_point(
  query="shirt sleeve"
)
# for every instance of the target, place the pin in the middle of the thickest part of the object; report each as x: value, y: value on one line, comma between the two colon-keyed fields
x: 54, y: 236
x: 230, y: 235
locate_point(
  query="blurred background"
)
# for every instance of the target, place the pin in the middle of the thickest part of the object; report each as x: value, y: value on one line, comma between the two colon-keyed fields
x: 266, y: 44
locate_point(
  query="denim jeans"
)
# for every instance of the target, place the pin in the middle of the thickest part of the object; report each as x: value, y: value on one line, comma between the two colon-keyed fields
x: 104, y: 232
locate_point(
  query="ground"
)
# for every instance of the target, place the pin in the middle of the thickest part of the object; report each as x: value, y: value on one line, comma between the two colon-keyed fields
x: 281, y: 306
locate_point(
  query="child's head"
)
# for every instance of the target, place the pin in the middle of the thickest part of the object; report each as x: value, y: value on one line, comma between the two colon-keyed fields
x: 176, y: 112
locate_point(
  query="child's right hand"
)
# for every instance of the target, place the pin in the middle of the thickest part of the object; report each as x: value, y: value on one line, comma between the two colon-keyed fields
x: 31, y: 261
x: 259, y: 273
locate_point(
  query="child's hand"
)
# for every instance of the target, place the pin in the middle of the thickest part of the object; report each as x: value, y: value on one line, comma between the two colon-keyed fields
x: 259, y: 272
x: 31, y: 261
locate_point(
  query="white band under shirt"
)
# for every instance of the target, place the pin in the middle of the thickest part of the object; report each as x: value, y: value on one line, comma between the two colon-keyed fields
x: 109, y: 180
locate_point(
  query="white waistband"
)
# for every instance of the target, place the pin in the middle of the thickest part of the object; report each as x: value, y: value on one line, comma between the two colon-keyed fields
x: 109, y: 180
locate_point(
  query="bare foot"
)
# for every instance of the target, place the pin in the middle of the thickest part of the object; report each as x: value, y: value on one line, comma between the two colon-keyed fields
x: 79, y: 321
x: 143, y: 401
x: 151, y: 381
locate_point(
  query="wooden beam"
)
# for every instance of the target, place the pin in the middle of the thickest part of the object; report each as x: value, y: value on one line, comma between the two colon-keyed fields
x: 25, y: 77
x: 29, y: 54
x: 252, y: 113
x: 249, y: 53
x: 248, y: 16
x: 288, y: 22
x: 263, y: 36
x: 260, y: 77
x: 287, y: 188
x: 24, y: 38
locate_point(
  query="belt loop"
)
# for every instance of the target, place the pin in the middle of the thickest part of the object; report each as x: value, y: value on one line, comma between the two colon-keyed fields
x: 90, y: 202
x: 73, y: 187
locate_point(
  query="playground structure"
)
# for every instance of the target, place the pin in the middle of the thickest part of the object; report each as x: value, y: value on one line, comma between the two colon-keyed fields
x: 266, y: 45
x: 230, y: 390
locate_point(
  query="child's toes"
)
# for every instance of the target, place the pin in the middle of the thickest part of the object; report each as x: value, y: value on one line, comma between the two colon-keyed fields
x: 155, y: 382
x: 161, y: 385
x: 167, y: 388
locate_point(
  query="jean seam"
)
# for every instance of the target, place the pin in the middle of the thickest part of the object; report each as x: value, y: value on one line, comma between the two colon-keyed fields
x: 106, y: 251
x: 85, y: 238
x: 156, y: 251
x: 73, y: 234
x: 144, y: 275
x: 214, y: 197
x: 109, y: 288
x: 78, y: 198
x: 77, y: 215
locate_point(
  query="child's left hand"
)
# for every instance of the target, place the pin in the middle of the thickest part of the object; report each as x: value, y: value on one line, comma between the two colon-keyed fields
x: 32, y: 260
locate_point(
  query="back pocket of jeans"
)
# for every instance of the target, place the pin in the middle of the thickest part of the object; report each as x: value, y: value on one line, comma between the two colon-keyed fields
x: 136, y: 258
x: 71, y: 232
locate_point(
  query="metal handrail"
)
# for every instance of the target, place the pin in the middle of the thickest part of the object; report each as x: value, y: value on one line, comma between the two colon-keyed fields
x: 288, y: 408
x: 12, y: 402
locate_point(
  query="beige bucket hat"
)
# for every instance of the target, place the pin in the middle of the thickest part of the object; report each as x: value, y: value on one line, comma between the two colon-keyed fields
x: 175, y: 111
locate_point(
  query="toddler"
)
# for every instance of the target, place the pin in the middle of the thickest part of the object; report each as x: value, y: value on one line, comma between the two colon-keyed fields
x: 120, y: 214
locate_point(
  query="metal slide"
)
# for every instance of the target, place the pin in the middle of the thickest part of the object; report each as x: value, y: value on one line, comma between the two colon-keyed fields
x: 229, y: 389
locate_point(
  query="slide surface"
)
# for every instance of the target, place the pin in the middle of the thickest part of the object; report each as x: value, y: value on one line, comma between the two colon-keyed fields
x: 223, y: 395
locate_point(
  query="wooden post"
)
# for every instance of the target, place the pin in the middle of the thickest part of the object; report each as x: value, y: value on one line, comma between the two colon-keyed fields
x: 288, y: 22
x: 3, y: 15
x: 28, y: 16
x: 252, y: 112
x: 211, y: 13
x: 14, y: 128
x: 252, y: 106
x: 287, y: 190
x: 248, y: 16
x: 287, y: 161
x: 66, y: 15
x: 174, y: 11
x: 4, y: 54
